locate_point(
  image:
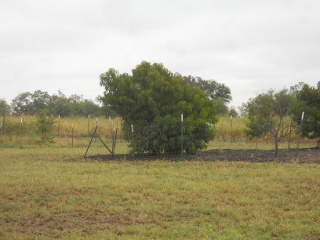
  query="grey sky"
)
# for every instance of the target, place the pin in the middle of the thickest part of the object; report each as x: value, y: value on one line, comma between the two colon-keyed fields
x: 249, y: 45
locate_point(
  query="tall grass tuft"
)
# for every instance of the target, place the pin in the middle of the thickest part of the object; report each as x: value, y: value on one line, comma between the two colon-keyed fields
x: 230, y: 129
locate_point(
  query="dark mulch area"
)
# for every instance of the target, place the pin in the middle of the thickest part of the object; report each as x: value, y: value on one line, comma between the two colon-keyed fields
x: 305, y: 155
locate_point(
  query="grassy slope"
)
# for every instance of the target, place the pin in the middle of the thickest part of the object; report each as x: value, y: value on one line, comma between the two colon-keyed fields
x: 54, y: 193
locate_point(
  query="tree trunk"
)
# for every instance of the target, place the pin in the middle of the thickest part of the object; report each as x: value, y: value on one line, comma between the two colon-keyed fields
x: 276, y: 147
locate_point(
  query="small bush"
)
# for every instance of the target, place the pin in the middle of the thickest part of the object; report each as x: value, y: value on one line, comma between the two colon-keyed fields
x: 44, y: 125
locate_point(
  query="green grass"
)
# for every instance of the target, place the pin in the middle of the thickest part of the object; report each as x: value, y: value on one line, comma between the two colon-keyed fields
x: 54, y: 193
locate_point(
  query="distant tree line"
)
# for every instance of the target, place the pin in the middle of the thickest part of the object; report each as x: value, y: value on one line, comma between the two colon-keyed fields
x: 32, y: 103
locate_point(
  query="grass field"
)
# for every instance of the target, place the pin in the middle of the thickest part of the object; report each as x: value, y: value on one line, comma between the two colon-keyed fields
x: 54, y: 193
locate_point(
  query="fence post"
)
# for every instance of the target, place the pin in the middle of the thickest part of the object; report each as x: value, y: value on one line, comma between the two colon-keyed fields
x: 21, y: 131
x: 95, y: 140
x: 95, y: 130
x: 72, y: 135
x: 133, y: 145
x: 114, y: 139
x: 289, y: 139
x: 231, y: 127
x: 299, y: 136
x: 89, y: 125
x: 59, y: 126
x: 181, y: 134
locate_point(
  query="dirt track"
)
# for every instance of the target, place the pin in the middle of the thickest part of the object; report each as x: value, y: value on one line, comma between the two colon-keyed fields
x: 306, y: 155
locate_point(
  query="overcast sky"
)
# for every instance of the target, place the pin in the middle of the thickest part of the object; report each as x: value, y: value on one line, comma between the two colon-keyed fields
x: 249, y: 45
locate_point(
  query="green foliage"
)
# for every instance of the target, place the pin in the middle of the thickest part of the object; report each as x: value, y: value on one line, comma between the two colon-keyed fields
x: 153, y: 99
x: 222, y: 108
x: 217, y: 91
x: 269, y: 113
x: 60, y: 105
x: 44, y: 125
x: 4, y: 106
x: 260, y: 115
x: 211, y: 87
x: 21, y: 103
x: 233, y: 112
x: 163, y: 135
x: 57, y: 104
x: 4, y: 109
x: 309, y: 103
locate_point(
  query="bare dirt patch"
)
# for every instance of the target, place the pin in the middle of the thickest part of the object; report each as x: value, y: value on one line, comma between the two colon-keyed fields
x: 57, y: 226
x: 305, y: 155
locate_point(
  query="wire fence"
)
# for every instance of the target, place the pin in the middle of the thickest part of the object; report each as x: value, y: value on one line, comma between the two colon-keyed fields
x: 23, y: 131
x: 180, y: 137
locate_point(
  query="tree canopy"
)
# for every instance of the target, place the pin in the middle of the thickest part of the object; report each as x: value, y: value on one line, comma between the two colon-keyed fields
x: 269, y: 113
x: 4, y: 106
x: 217, y: 91
x: 309, y: 103
x: 152, y: 99
x: 213, y: 88
x: 32, y: 103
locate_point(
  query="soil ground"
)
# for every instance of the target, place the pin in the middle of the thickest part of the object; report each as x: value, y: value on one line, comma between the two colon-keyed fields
x: 305, y: 155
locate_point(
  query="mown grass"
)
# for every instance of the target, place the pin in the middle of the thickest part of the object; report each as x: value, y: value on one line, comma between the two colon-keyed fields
x: 54, y: 193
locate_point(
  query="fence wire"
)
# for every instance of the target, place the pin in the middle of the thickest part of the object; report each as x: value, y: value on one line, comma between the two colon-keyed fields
x: 179, y: 137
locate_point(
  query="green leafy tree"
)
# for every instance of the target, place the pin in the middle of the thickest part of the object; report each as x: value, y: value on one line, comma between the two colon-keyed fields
x: 213, y: 88
x: 22, y: 103
x: 4, y: 106
x: 217, y: 91
x: 90, y: 107
x: 269, y: 113
x: 152, y: 99
x: 222, y: 108
x: 233, y: 112
x: 4, y: 109
x: 77, y: 104
x: 107, y: 111
x: 308, y: 101
x: 40, y: 101
x: 44, y: 124
x: 57, y: 104
x: 30, y: 103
